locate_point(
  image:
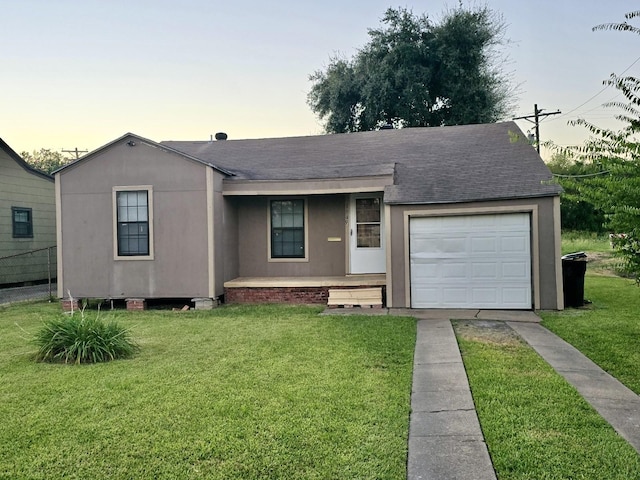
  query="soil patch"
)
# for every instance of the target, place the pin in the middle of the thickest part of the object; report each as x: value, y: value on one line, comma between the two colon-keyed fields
x: 487, y: 331
x: 602, y: 263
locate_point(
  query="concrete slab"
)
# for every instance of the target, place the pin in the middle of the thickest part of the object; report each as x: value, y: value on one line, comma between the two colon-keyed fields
x: 565, y: 357
x: 436, y: 377
x: 445, y: 439
x: 617, y: 404
x: 593, y: 384
x: 442, y: 400
x: 536, y: 335
x: 355, y: 311
x: 445, y: 423
x: 467, y: 314
x: 508, y: 316
x: 433, y: 335
x: 443, y: 314
x: 435, y: 353
x: 460, y: 458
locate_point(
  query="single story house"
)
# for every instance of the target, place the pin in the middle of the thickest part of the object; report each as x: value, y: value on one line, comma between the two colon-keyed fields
x: 27, y: 220
x: 445, y: 217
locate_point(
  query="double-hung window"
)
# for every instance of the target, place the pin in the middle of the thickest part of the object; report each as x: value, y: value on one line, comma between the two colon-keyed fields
x: 22, y: 222
x: 133, y: 212
x: 288, y: 237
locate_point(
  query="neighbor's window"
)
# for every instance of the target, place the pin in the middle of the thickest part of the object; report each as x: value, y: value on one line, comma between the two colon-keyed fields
x: 22, y: 222
x: 133, y: 222
x: 287, y: 229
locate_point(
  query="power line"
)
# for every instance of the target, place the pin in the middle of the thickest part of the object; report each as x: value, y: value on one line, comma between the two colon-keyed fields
x: 604, y: 172
x: 599, y: 92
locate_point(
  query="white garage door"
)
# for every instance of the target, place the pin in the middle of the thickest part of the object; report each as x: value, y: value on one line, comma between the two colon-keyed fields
x: 472, y: 261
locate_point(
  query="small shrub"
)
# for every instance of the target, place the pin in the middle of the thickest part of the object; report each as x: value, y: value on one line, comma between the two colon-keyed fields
x: 83, y: 339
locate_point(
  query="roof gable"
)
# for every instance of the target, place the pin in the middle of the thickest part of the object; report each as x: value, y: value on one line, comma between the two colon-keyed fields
x: 18, y: 159
x: 133, y: 138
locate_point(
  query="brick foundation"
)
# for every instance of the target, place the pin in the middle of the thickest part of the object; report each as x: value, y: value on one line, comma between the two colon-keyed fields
x: 69, y: 305
x: 136, y: 304
x: 294, y: 295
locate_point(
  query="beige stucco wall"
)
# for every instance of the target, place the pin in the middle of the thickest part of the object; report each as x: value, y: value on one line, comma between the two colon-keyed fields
x: 326, y: 219
x: 180, y: 267
x: 546, y: 260
x: 20, y: 188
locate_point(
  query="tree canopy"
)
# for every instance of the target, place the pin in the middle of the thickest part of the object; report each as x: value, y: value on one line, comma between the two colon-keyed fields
x: 45, y: 160
x: 614, y: 188
x: 576, y: 211
x: 415, y: 72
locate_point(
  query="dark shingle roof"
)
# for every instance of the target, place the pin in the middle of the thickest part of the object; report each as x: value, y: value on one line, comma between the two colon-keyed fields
x: 430, y: 165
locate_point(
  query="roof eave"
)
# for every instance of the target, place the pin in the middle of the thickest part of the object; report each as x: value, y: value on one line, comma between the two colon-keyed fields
x: 20, y: 161
x: 493, y: 199
x: 145, y: 141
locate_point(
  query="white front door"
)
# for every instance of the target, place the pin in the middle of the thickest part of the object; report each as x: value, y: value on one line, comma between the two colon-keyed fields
x: 366, y: 234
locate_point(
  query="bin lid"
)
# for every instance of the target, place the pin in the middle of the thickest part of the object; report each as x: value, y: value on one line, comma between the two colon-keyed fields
x: 575, y: 256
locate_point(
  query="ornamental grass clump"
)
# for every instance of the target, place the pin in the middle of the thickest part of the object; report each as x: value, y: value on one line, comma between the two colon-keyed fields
x: 83, y: 339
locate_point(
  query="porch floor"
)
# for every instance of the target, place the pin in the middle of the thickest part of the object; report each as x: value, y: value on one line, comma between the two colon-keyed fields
x: 377, y: 280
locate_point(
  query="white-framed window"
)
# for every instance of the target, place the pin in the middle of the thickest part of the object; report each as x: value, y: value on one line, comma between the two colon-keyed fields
x: 133, y: 222
x: 288, y: 230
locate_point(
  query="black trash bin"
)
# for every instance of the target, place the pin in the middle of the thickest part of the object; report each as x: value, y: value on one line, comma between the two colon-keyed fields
x: 574, y: 266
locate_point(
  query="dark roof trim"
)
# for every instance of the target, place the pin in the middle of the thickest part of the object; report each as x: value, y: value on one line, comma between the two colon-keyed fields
x: 18, y: 159
x: 471, y: 200
x: 148, y: 142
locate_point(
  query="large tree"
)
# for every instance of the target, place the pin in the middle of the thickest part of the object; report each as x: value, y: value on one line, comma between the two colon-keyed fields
x: 615, y: 189
x: 45, y: 159
x: 415, y: 72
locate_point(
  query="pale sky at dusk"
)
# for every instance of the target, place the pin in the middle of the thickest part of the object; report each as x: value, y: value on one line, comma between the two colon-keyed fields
x: 82, y: 73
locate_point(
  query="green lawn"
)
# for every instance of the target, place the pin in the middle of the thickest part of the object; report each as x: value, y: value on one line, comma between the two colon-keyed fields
x: 585, y: 242
x: 608, y: 330
x: 238, y: 392
x: 535, y: 424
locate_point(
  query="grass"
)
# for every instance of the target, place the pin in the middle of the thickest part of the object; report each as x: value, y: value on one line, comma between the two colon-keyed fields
x: 536, y: 425
x: 238, y: 392
x: 608, y: 330
x: 573, y: 241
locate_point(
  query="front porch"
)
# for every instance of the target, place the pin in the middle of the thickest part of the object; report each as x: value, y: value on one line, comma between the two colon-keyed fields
x: 297, y: 290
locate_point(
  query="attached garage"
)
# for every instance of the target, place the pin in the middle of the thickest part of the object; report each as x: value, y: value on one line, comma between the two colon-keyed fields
x: 471, y: 261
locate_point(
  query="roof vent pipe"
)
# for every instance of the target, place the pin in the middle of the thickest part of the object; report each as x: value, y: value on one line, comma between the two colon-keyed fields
x: 221, y: 136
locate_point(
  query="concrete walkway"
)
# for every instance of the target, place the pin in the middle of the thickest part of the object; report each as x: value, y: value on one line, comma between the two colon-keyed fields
x: 612, y: 400
x: 21, y: 294
x: 445, y: 440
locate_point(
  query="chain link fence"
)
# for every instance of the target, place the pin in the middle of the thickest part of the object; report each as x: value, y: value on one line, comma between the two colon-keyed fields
x: 28, y: 275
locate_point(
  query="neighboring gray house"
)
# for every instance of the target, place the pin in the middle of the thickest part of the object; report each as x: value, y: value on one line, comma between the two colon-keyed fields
x: 27, y: 219
x: 447, y: 217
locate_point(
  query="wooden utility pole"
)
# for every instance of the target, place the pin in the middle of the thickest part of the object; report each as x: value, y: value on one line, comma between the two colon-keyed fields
x: 536, y: 120
x: 75, y: 151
